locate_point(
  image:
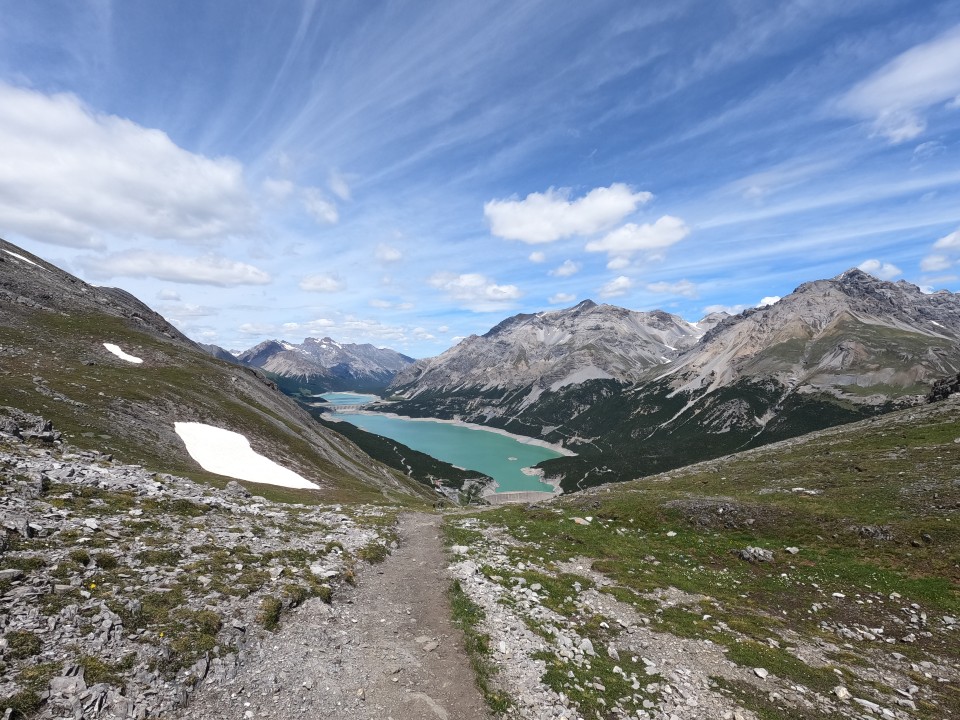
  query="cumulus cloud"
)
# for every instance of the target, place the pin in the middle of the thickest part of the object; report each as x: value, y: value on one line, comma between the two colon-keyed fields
x: 388, y: 253
x: 167, y: 294
x: 561, y: 298
x: 681, y: 287
x: 322, y: 282
x: 944, y: 257
x: 935, y: 263
x: 769, y: 300
x: 319, y: 207
x: 203, y: 270
x: 631, y: 238
x: 537, y: 257
x: 882, y: 270
x: 895, y: 97
x: 552, y: 215
x: 618, y: 263
x: 474, y: 291
x: 71, y: 176
x: 568, y: 268
x: 616, y: 287
x: 949, y: 242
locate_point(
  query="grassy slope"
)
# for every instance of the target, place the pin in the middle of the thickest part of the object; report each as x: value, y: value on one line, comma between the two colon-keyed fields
x: 897, y: 473
x: 174, y: 383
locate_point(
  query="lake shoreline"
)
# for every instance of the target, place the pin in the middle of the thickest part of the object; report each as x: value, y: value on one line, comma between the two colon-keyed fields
x: 525, y: 439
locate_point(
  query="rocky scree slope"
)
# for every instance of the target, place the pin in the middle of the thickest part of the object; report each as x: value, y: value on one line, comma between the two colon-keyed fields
x: 53, y: 362
x: 832, y: 351
x: 324, y: 365
x: 122, y: 590
x: 813, y: 578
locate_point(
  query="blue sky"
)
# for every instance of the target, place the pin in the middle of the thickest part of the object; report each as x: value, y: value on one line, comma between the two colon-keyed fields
x: 407, y: 173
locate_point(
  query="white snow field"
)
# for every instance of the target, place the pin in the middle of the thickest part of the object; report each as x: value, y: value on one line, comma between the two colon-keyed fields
x: 225, y: 452
x: 25, y: 259
x: 115, y: 349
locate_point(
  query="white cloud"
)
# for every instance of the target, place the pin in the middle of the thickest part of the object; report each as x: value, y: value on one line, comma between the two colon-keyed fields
x: 258, y: 329
x: 71, y: 176
x: 338, y: 186
x: 184, y: 310
x: 319, y: 207
x: 949, y: 242
x: 568, y: 268
x: 561, y: 298
x: 167, y: 294
x: 277, y: 190
x: 537, y: 257
x: 681, y: 287
x: 382, y: 304
x: 927, y: 150
x: 768, y: 300
x: 322, y: 282
x: 618, y: 286
x: 625, y: 241
x: 388, y: 253
x: 881, y: 270
x: 443, y: 329
x: 895, y: 95
x: 475, y: 292
x: 203, y: 270
x: 618, y: 263
x: 935, y: 263
x: 545, y: 217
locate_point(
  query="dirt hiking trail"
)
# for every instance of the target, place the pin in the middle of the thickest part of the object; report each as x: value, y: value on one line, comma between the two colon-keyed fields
x: 385, y: 649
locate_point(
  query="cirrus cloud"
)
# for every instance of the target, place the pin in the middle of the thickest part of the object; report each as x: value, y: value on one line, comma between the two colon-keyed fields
x: 202, y: 270
x: 73, y: 177
x: 895, y: 96
x: 545, y: 217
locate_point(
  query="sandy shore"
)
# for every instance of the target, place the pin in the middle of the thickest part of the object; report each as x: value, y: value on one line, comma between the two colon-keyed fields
x: 474, y: 426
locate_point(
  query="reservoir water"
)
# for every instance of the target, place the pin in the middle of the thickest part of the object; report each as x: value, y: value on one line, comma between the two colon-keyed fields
x: 500, y: 456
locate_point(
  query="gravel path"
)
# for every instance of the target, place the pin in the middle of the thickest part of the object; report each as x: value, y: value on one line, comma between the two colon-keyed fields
x: 386, y: 649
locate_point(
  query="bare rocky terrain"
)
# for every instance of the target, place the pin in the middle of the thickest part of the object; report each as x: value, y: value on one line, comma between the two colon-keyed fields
x: 384, y: 649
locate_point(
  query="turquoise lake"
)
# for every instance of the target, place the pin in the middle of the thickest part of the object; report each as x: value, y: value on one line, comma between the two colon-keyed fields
x: 499, y: 456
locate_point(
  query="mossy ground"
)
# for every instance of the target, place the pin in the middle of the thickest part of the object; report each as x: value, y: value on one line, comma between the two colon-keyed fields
x: 824, y: 496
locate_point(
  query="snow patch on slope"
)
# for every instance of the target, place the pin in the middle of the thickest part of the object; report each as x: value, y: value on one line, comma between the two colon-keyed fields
x: 115, y: 349
x: 21, y: 257
x: 228, y: 453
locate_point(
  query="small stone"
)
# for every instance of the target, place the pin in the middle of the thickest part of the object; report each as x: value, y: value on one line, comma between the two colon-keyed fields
x: 841, y: 692
x: 761, y: 673
x: 792, y: 550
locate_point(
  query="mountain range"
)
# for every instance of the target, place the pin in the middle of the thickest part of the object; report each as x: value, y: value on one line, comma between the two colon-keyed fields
x: 634, y: 393
x: 631, y: 393
x: 316, y: 366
